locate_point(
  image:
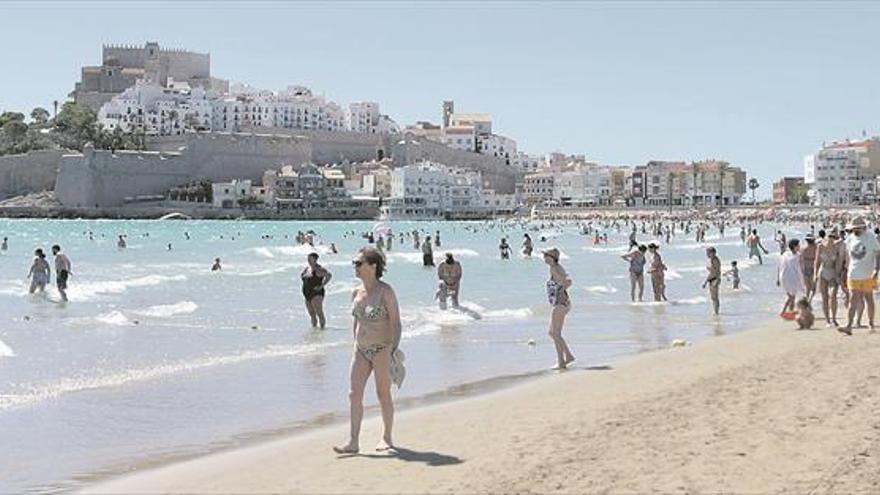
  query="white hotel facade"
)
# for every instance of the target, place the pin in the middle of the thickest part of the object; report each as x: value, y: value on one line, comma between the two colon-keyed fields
x: 431, y: 190
x: 838, y: 173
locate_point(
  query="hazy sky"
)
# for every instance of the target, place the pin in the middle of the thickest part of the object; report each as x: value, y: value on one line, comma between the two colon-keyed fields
x: 757, y: 84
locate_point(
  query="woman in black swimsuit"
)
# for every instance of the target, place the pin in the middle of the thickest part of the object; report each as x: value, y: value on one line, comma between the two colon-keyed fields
x: 314, y: 278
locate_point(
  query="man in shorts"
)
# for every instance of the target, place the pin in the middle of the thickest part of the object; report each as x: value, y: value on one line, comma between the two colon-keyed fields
x: 62, y: 271
x: 863, y: 254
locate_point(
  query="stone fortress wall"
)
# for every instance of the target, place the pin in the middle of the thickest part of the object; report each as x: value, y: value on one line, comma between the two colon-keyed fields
x: 28, y: 173
x: 104, y: 178
x: 180, y: 64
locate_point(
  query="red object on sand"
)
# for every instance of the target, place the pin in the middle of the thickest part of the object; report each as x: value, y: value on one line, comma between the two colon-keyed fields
x: 790, y: 315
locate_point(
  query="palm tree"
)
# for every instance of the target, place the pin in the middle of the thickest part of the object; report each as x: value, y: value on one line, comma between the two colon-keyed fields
x: 753, y: 184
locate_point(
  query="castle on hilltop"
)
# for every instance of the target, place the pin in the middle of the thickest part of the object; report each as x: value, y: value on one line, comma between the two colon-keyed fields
x: 122, y: 66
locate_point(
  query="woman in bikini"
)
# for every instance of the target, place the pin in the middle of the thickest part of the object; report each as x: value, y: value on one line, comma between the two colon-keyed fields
x: 557, y: 295
x: 377, y: 331
x: 827, y: 273
x: 314, y: 278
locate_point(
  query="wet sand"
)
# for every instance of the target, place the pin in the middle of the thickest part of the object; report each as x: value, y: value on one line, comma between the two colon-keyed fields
x: 767, y: 410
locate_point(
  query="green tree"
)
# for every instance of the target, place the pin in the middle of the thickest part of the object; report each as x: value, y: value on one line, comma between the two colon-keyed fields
x: 7, y: 117
x: 40, y: 116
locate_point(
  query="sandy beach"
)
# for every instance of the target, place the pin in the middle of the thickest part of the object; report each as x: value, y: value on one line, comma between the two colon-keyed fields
x: 766, y: 410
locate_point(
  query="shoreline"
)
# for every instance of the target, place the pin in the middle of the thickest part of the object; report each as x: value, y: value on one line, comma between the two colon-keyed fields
x: 728, y: 414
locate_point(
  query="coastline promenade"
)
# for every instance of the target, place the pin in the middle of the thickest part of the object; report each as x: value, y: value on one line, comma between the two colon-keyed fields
x: 770, y: 410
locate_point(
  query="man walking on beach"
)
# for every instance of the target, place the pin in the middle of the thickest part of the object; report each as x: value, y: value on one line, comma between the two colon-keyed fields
x: 863, y: 252
x: 62, y: 271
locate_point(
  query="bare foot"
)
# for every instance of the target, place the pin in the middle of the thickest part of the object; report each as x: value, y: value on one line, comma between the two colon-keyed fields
x: 384, y: 445
x: 845, y: 330
x: 570, y: 359
x: 558, y: 366
x: 350, y: 448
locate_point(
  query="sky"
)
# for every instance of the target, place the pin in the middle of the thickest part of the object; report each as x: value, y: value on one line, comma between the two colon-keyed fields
x: 759, y: 85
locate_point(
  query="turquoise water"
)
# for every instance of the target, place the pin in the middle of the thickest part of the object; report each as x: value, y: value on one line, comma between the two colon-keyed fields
x: 155, y: 356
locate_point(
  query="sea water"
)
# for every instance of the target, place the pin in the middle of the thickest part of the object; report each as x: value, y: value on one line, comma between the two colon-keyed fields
x: 156, y: 357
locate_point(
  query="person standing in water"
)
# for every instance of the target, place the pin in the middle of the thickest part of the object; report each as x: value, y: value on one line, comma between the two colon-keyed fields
x: 216, y: 267
x: 5, y: 245
x: 39, y: 272
x: 427, y: 252
x: 657, y: 269
x: 713, y: 277
x: 527, y: 246
x: 755, y: 246
x: 377, y: 332
x: 120, y: 243
x: 314, y: 278
x: 636, y: 259
x: 557, y: 296
x: 504, y: 248
x: 450, y: 273
x: 62, y: 271
x: 437, y: 239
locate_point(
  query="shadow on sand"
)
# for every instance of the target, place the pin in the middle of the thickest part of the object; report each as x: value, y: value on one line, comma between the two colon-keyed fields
x: 403, y: 454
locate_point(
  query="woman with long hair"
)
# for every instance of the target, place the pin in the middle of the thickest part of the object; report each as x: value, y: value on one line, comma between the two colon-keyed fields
x: 377, y: 331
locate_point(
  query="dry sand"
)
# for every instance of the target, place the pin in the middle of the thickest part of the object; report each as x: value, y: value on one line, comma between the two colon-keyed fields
x: 769, y: 410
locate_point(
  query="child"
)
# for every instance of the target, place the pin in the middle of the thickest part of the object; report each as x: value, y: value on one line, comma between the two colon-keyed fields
x: 442, y: 294
x: 734, y: 274
x: 805, y: 316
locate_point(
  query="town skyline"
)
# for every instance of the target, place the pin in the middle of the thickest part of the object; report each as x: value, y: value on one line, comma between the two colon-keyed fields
x: 694, y: 103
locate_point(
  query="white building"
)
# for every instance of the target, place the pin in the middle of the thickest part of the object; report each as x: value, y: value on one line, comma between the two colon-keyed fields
x: 294, y: 108
x: 157, y: 111
x: 430, y: 190
x: 460, y: 137
x: 526, y: 162
x: 228, y: 194
x: 836, y: 173
x: 365, y: 117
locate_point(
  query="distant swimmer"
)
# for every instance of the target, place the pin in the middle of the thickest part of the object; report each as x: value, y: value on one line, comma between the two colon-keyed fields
x: 62, y: 271
x: 5, y: 245
x: 169, y: 246
x: 39, y: 272
x: 527, y: 246
x: 216, y: 267
x: 334, y: 250
x: 314, y: 278
x: 450, y: 273
x: 121, y: 243
x: 437, y: 239
x: 557, y: 296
